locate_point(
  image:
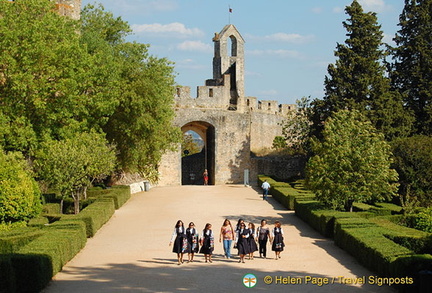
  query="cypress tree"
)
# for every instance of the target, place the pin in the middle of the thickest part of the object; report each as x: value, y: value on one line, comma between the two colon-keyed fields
x: 412, y: 68
x: 358, y: 78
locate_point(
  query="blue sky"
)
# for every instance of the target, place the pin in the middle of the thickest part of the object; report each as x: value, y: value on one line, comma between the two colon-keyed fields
x: 289, y: 44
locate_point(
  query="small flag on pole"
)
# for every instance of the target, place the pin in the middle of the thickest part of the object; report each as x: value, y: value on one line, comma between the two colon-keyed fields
x: 230, y: 10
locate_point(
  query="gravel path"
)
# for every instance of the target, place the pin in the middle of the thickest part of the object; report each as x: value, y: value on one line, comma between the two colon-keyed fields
x: 131, y: 253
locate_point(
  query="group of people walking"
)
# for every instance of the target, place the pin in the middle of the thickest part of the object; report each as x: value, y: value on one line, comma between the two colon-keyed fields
x: 245, y: 239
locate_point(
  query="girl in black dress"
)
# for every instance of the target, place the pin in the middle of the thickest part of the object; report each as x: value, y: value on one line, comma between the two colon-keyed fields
x: 242, y: 241
x: 192, y: 241
x: 179, y: 240
x: 251, y: 241
x: 207, y: 243
x: 278, y: 244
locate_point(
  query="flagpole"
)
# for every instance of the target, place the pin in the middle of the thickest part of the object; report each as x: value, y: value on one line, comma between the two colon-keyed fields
x: 229, y: 14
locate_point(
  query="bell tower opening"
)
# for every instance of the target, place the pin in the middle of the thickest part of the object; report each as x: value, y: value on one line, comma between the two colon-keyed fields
x: 229, y: 60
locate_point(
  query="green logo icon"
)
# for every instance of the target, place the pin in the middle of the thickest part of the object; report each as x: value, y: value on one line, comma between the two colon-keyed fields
x: 249, y: 280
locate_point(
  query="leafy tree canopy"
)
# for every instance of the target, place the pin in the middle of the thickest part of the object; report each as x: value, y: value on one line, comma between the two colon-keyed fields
x: 413, y: 161
x: 70, y: 165
x: 352, y: 163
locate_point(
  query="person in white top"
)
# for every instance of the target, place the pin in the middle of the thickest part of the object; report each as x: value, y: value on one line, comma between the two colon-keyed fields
x: 278, y: 239
x: 180, y: 241
x: 265, y: 187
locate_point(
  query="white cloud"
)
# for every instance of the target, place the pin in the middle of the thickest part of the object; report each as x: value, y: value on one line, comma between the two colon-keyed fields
x: 283, y: 37
x: 338, y: 9
x: 290, y: 38
x: 317, y: 10
x: 195, y: 46
x: 374, y: 5
x: 388, y: 39
x: 279, y: 53
x: 172, y: 29
x: 145, y: 6
x: 190, y: 64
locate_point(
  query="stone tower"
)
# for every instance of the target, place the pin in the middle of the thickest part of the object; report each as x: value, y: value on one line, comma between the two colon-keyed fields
x: 229, y: 59
x: 70, y: 8
x: 231, y: 125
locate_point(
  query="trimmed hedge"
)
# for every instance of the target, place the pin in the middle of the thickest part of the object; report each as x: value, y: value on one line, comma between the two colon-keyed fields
x: 119, y: 193
x: 39, y: 260
x: 418, y: 241
x: 94, y: 216
x: 372, y: 235
x: 284, y: 192
x: 365, y: 241
x: 12, y: 241
x: 36, y: 254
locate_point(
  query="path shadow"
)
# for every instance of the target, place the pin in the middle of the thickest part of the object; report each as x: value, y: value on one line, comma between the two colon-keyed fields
x: 193, y: 277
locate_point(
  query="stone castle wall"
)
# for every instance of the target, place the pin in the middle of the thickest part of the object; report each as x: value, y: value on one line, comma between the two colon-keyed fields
x: 231, y: 125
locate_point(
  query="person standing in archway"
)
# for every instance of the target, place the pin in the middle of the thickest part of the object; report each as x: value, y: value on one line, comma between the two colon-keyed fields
x: 205, y: 176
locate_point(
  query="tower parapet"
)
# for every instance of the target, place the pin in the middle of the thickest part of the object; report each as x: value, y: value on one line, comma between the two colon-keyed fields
x: 70, y: 8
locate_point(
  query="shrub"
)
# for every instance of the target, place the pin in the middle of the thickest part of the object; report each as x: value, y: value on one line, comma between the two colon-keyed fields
x: 19, y: 193
x: 413, y: 158
x: 423, y: 220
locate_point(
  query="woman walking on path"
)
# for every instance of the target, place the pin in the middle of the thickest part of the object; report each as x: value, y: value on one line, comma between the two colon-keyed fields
x: 251, y: 241
x: 239, y: 222
x: 263, y: 235
x: 242, y: 241
x: 207, y: 243
x: 227, y: 235
x: 277, y: 235
x: 179, y: 239
x: 192, y: 241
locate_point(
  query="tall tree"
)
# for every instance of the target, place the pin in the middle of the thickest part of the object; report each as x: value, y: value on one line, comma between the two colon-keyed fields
x: 71, y: 165
x: 296, y: 129
x: 352, y: 163
x: 412, y: 70
x: 141, y: 125
x: 49, y: 84
x: 358, y: 78
x: 413, y: 161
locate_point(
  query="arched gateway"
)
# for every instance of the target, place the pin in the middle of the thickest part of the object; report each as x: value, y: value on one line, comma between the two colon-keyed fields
x: 193, y: 166
x: 231, y: 125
